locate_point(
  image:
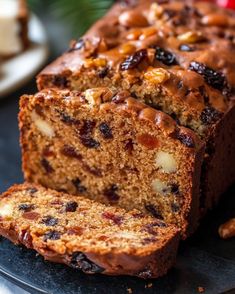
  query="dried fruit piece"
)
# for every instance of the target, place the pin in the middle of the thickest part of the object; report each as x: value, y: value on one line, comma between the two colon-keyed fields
x: 26, y: 207
x: 80, y: 261
x: 165, y: 56
x: 70, y: 151
x: 31, y: 215
x: 210, y: 115
x: 115, y: 218
x: 71, y: 206
x: 50, y: 221
x: 51, y: 235
x: 78, y: 186
x: 213, y: 78
x: 60, y: 81
x: 153, y: 210
x: 78, y: 45
x: 134, y: 60
x: 106, y: 131
x: 103, y: 72
x: 157, y: 75
x: 85, y: 134
x: 148, y: 141
x: 184, y: 139
x: 26, y: 239
x: 111, y: 193
x: 46, y: 165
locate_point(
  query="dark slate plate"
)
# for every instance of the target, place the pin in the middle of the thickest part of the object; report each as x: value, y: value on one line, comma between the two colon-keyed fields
x: 205, y: 260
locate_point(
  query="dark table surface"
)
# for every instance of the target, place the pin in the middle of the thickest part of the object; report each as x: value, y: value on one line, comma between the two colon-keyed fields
x: 205, y: 260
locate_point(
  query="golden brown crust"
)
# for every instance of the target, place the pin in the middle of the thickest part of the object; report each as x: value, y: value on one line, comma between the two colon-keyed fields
x: 150, y: 260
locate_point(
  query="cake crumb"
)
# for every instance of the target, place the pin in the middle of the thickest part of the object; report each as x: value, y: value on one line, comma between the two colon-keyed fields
x: 201, y: 289
x: 150, y: 285
x: 129, y: 290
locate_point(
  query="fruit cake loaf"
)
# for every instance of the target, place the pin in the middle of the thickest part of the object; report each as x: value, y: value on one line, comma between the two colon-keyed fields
x: 87, y: 235
x: 176, y: 56
x: 114, y: 149
x: 13, y: 27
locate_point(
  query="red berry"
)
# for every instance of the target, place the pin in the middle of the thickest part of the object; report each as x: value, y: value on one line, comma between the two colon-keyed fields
x: 226, y: 3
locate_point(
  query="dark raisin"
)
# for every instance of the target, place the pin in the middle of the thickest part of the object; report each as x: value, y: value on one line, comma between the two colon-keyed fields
x: 50, y: 221
x: 78, y: 186
x: 210, y: 115
x: 47, y: 152
x: 106, y: 131
x: 89, y: 142
x: 134, y: 60
x: 115, y: 218
x: 46, y: 165
x: 26, y: 207
x: 164, y: 56
x: 60, y: 81
x: 52, y: 235
x: 150, y: 228
x: 175, y: 207
x: 203, y: 93
x: 175, y: 189
x: 32, y: 190
x: 111, y: 193
x: 26, y: 239
x: 185, y: 139
x: 129, y: 146
x: 70, y: 151
x: 92, y: 170
x: 71, y: 206
x: 85, y: 134
x: 103, y: 72
x: 80, y: 261
x: 169, y: 13
x: 187, y: 48
x: 213, y: 78
x: 153, y: 210
x: 65, y: 118
x: 78, y: 45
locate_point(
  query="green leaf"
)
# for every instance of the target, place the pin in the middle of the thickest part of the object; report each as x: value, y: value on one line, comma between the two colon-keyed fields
x: 78, y: 14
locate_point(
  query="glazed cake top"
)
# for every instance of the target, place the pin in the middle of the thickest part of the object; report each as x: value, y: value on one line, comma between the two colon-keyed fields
x: 191, y: 47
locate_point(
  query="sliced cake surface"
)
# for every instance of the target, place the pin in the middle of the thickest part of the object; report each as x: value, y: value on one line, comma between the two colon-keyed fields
x: 114, y: 149
x: 176, y: 56
x: 87, y: 235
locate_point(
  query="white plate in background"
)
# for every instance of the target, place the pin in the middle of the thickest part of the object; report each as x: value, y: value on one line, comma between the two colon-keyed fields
x: 17, y: 71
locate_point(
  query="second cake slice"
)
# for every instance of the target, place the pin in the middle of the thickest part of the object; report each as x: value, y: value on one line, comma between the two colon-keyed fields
x: 114, y: 148
x: 85, y: 234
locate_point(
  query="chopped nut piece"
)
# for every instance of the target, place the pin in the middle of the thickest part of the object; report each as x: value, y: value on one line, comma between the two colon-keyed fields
x: 227, y: 230
x: 166, y: 162
x: 97, y: 62
x: 132, y: 18
x: 157, y: 75
x: 191, y: 37
x: 156, y: 11
x: 160, y: 187
x: 6, y: 210
x: 44, y: 127
x: 127, y: 49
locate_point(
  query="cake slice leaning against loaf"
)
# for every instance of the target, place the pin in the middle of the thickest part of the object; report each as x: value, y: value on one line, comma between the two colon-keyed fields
x: 113, y: 149
x: 87, y: 235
